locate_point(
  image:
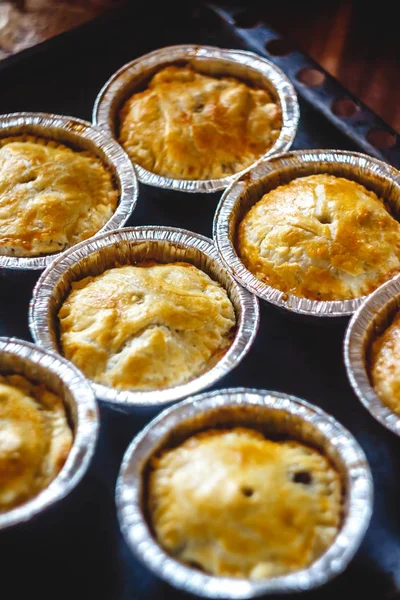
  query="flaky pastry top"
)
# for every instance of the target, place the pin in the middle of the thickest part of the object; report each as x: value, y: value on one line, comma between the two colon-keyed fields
x: 385, y: 365
x: 35, y: 439
x: 188, y: 125
x: 147, y: 326
x: 234, y: 503
x: 321, y: 237
x: 51, y: 196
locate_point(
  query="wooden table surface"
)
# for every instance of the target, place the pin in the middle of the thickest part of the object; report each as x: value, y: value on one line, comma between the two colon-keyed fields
x: 356, y: 42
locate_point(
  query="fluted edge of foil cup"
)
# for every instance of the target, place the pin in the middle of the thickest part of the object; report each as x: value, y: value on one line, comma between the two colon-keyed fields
x: 37, y: 365
x: 277, y: 412
x: 240, y: 63
x: 370, y: 320
x: 245, y: 191
x: 83, y: 135
x: 128, y: 246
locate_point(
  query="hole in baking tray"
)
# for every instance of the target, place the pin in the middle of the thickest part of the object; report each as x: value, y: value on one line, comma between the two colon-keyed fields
x: 344, y: 107
x: 247, y: 19
x: 278, y: 47
x: 303, y: 477
x: 247, y: 491
x: 310, y: 77
x: 380, y: 138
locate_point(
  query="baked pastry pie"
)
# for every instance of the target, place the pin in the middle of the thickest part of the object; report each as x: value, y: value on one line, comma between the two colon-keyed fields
x: 321, y: 237
x: 187, y: 125
x: 35, y: 439
x: 385, y: 366
x: 147, y: 326
x: 233, y: 503
x: 51, y: 196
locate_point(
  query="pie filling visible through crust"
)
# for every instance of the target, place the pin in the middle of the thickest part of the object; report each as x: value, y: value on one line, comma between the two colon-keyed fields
x: 321, y: 237
x: 385, y: 366
x: 147, y: 326
x: 187, y: 125
x: 236, y: 504
x: 51, y: 196
x: 35, y: 439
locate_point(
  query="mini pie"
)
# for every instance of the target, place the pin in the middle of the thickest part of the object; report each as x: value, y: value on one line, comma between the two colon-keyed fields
x: 186, y: 125
x: 147, y: 326
x: 35, y: 439
x: 235, y: 504
x: 51, y: 197
x: 321, y: 237
x: 385, y: 366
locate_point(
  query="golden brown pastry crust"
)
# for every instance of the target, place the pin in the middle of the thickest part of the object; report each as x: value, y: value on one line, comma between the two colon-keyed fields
x: 35, y: 439
x: 385, y: 365
x: 236, y: 504
x: 187, y: 125
x: 147, y: 326
x: 51, y: 197
x: 321, y: 237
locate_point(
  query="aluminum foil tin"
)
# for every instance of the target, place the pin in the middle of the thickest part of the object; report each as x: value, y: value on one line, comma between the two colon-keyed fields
x: 212, y: 61
x: 248, y: 189
x: 368, y: 323
x: 129, y: 246
x: 22, y: 358
x: 82, y: 135
x: 273, y: 413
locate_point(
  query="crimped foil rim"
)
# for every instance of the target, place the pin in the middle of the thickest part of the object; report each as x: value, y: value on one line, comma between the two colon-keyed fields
x: 85, y: 437
x: 227, y: 252
x: 283, y: 86
x: 354, y: 352
x: 245, y: 332
x: 124, y: 171
x: 331, y: 563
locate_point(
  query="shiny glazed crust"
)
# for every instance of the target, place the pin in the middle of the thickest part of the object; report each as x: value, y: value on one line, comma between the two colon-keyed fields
x: 233, y: 503
x: 321, y: 237
x: 187, y: 125
x: 385, y: 366
x: 35, y: 439
x: 51, y: 197
x: 147, y: 326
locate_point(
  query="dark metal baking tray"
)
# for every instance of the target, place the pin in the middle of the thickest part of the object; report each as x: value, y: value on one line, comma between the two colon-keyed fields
x: 75, y: 550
